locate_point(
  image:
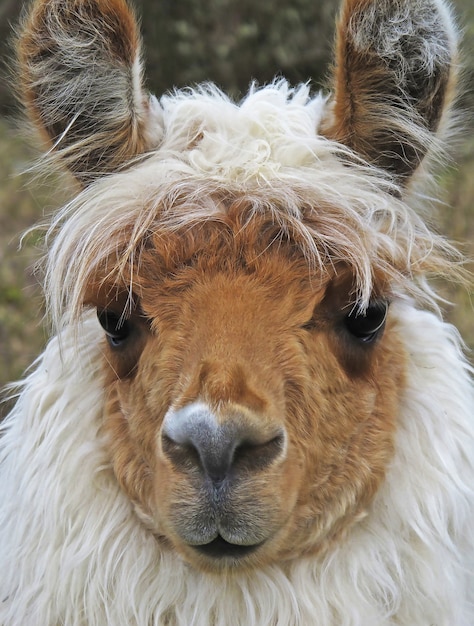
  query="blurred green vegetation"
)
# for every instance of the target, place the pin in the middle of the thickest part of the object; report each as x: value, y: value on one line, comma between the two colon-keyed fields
x: 23, y: 203
x: 229, y: 42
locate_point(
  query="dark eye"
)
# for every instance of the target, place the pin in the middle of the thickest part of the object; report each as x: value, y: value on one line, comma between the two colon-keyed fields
x: 367, y: 325
x: 116, y: 328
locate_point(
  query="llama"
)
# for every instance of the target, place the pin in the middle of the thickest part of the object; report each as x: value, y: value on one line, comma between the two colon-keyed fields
x: 251, y: 412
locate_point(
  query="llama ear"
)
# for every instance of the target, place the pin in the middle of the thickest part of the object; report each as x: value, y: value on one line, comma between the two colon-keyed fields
x: 393, y: 80
x: 81, y: 82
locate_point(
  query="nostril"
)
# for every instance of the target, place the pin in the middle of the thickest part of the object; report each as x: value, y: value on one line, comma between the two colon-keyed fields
x: 252, y: 456
x: 183, y: 456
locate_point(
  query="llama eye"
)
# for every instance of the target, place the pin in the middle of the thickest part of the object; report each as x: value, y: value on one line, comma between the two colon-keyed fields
x: 367, y: 325
x: 116, y: 328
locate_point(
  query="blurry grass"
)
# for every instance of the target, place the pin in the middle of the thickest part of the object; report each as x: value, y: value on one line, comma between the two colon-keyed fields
x: 457, y: 222
x: 24, y: 203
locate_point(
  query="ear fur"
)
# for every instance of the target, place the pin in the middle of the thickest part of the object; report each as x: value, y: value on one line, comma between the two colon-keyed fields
x: 81, y: 82
x: 393, y: 81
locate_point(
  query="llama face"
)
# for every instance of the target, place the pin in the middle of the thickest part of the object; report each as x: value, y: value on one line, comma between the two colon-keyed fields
x: 250, y: 410
x: 242, y: 259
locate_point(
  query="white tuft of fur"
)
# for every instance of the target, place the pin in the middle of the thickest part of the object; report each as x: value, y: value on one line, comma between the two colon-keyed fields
x: 73, y: 551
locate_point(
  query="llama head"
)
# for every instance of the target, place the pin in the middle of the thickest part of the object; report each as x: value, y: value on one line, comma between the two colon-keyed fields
x: 242, y: 261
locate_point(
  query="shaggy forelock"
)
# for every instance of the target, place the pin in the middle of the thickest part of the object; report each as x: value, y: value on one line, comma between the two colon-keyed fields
x: 256, y: 165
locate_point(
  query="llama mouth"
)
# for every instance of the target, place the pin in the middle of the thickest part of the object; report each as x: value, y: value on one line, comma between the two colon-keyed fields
x: 219, y: 548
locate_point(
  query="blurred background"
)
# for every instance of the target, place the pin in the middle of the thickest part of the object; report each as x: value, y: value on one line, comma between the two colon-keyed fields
x: 229, y: 42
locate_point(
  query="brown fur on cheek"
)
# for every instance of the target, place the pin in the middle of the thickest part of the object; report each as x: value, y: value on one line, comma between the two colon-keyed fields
x: 349, y: 427
x: 134, y: 410
x: 131, y: 467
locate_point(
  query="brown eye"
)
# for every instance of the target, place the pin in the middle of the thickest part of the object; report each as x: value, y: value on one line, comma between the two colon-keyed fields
x: 116, y: 328
x: 367, y: 325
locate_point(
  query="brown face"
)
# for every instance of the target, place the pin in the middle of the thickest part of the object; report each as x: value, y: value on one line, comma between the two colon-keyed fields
x: 251, y: 408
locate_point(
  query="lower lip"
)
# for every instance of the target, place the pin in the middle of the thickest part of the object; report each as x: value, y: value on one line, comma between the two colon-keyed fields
x: 219, y: 548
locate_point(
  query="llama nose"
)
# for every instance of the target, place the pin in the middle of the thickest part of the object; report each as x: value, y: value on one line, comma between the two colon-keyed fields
x: 193, y: 438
